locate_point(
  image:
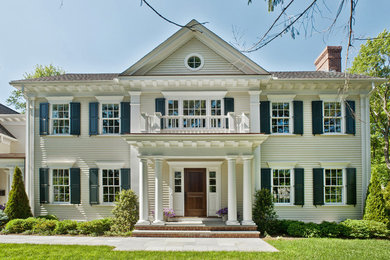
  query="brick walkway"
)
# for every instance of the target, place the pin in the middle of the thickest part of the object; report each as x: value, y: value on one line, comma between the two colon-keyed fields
x: 149, y: 244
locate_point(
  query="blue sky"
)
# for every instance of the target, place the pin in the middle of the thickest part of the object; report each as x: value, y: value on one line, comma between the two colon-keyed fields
x: 108, y: 36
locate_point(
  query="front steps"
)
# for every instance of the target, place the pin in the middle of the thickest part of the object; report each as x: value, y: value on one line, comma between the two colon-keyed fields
x: 197, y: 228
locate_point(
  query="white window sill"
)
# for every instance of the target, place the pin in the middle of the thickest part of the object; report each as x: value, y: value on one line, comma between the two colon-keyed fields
x: 286, y: 205
x: 61, y: 135
x: 334, y: 134
x: 104, y: 204
x: 60, y: 204
x: 336, y: 205
x: 283, y: 134
x: 107, y: 135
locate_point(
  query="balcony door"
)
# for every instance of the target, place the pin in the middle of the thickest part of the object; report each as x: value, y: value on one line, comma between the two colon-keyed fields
x: 195, y: 192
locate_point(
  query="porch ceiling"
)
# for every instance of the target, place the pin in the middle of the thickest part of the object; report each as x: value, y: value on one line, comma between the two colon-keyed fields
x: 195, y: 140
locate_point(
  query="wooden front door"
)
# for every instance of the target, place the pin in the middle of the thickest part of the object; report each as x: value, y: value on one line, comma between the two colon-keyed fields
x: 195, y: 192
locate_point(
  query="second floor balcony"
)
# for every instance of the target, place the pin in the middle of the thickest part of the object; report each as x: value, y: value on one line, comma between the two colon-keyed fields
x: 230, y: 123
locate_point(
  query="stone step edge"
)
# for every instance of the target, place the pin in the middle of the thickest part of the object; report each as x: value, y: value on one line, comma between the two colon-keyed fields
x: 199, y: 228
x: 194, y: 231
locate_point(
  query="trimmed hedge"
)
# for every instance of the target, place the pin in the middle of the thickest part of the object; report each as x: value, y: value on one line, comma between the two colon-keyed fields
x: 365, y: 229
x: 95, y: 227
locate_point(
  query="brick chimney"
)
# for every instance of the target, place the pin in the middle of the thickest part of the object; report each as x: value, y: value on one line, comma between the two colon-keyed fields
x: 329, y: 59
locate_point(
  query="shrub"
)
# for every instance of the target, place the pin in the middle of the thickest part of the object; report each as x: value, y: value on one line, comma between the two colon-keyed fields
x: 375, y: 204
x: 125, y: 212
x: 45, y: 226
x: 263, y: 210
x: 301, y: 229
x: 386, y: 196
x: 20, y: 225
x: 66, y: 227
x: 3, y: 218
x: 18, y: 204
x: 95, y: 227
x: 364, y: 229
x: 331, y: 229
x: 48, y: 217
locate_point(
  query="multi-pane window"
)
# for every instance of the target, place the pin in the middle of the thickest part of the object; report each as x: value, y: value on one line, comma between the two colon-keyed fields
x: 216, y: 110
x: 212, y: 182
x: 61, y: 189
x: 192, y: 109
x: 333, y: 186
x: 332, y: 117
x: 177, y: 181
x: 173, y: 110
x: 60, y: 118
x: 111, y: 184
x: 281, y: 185
x: 194, y: 62
x: 110, y: 118
x: 280, y: 117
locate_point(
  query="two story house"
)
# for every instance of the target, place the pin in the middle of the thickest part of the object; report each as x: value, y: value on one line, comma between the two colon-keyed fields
x: 197, y: 126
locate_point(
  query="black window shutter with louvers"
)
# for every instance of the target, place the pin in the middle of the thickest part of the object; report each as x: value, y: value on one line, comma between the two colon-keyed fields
x: 318, y: 186
x: 75, y: 186
x: 351, y: 186
x: 299, y: 180
x: 125, y: 117
x: 75, y: 118
x: 228, y: 103
x: 93, y: 118
x: 44, y: 185
x: 266, y: 178
x: 44, y: 118
x: 350, y: 122
x: 298, y: 117
x: 160, y: 107
x: 317, y: 117
x: 94, y: 186
x: 265, y: 117
x: 125, y: 179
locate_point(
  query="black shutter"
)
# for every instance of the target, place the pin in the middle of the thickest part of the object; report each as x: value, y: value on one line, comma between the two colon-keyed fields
x: 318, y: 186
x: 350, y: 125
x: 299, y: 180
x: 351, y: 186
x: 75, y: 185
x: 266, y: 178
x: 93, y: 118
x: 228, y: 103
x: 316, y: 116
x: 160, y: 107
x: 125, y: 117
x: 44, y: 118
x: 94, y: 186
x: 43, y: 185
x: 74, y: 118
x: 265, y: 117
x: 125, y: 179
x: 298, y: 117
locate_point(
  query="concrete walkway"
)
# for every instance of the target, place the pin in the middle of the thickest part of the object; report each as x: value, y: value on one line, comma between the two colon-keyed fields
x: 149, y: 244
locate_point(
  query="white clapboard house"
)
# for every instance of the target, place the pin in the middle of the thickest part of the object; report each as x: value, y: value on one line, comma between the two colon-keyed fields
x: 196, y: 126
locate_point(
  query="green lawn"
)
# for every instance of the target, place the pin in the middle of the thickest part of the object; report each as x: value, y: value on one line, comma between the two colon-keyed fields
x: 313, y: 248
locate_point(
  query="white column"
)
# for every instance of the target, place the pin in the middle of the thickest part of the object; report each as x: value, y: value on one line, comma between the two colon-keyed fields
x: 143, y: 193
x: 247, y: 191
x: 29, y: 148
x: 232, y: 192
x: 158, y: 209
x: 257, y: 167
x: 254, y: 111
x: 135, y: 111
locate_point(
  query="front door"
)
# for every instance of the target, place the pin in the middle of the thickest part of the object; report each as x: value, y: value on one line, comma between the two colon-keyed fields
x: 195, y: 192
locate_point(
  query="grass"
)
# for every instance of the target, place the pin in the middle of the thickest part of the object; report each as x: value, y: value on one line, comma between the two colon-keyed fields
x: 311, y: 248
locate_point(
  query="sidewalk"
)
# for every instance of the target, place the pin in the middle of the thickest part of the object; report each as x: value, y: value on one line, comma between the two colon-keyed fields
x: 148, y: 244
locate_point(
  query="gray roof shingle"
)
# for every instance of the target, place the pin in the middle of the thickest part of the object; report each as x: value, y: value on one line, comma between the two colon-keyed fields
x: 4, y: 131
x: 6, y: 110
x: 73, y: 77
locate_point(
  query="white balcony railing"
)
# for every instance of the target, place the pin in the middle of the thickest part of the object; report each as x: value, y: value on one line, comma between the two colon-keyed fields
x: 230, y: 123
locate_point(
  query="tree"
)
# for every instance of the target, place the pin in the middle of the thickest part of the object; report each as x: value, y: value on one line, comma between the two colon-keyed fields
x: 125, y: 212
x: 16, y: 98
x: 263, y: 210
x: 18, y: 205
x: 374, y: 60
x: 386, y: 197
x: 375, y: 204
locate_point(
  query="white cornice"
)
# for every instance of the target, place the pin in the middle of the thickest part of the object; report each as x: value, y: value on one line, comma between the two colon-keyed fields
x: 60, y: 99
x: 214, y: 94
x: 113, y: 99
x: 110, y: 164
x: 335, y: 164
x: 281, y: 98
x: 281, y: 164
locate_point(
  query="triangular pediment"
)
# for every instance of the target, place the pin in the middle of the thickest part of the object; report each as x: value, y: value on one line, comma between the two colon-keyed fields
x: 218, y: 57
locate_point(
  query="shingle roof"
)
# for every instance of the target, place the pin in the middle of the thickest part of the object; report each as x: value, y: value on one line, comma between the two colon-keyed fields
x: 4, y: 131
x: 316, y: 75
x: 277, y: 74
x: 6, y: 110
x: 73, y: 77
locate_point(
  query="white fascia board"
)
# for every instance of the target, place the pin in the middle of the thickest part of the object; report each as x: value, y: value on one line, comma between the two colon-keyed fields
x: 60, y: 99
x: 333, y: 97
x: 109, y: 99
x: 214, y: 94
x: 335, y: 164
x: 281, y: 164
x: 65, y: 163
x: 110, y: 164
x: 281, y: 98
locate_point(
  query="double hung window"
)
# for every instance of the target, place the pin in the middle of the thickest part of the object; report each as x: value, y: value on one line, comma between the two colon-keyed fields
x: 60, y: 119
x: 281, y: 185
x: 61, y: 185
x: 280, y: 117
x: 332, y: 117
x: 333, y: 186
x: 110, y: 118
x: 110, y: 184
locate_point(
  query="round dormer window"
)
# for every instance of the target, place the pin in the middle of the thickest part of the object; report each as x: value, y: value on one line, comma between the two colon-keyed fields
x: 194, y: 61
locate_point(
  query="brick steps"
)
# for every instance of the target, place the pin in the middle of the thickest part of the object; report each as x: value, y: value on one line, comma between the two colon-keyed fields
x: 198, y: 228
x: 196, y: 233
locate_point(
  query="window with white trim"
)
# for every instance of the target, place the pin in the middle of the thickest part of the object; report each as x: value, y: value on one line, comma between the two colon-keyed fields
x: 333, y: 186
x: 61, y: 185
x: 280, y: 117
x: 332, y: 117
x: 212, y: 181
x: 110, y: 118
x: 60, y: 119
x: 192, y: 109
x: 216, y: 110
x: 173, y: 111
x: 177, y: 181
x: 110, y: 184
x: 194, y: 61
x: 281, y: 185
